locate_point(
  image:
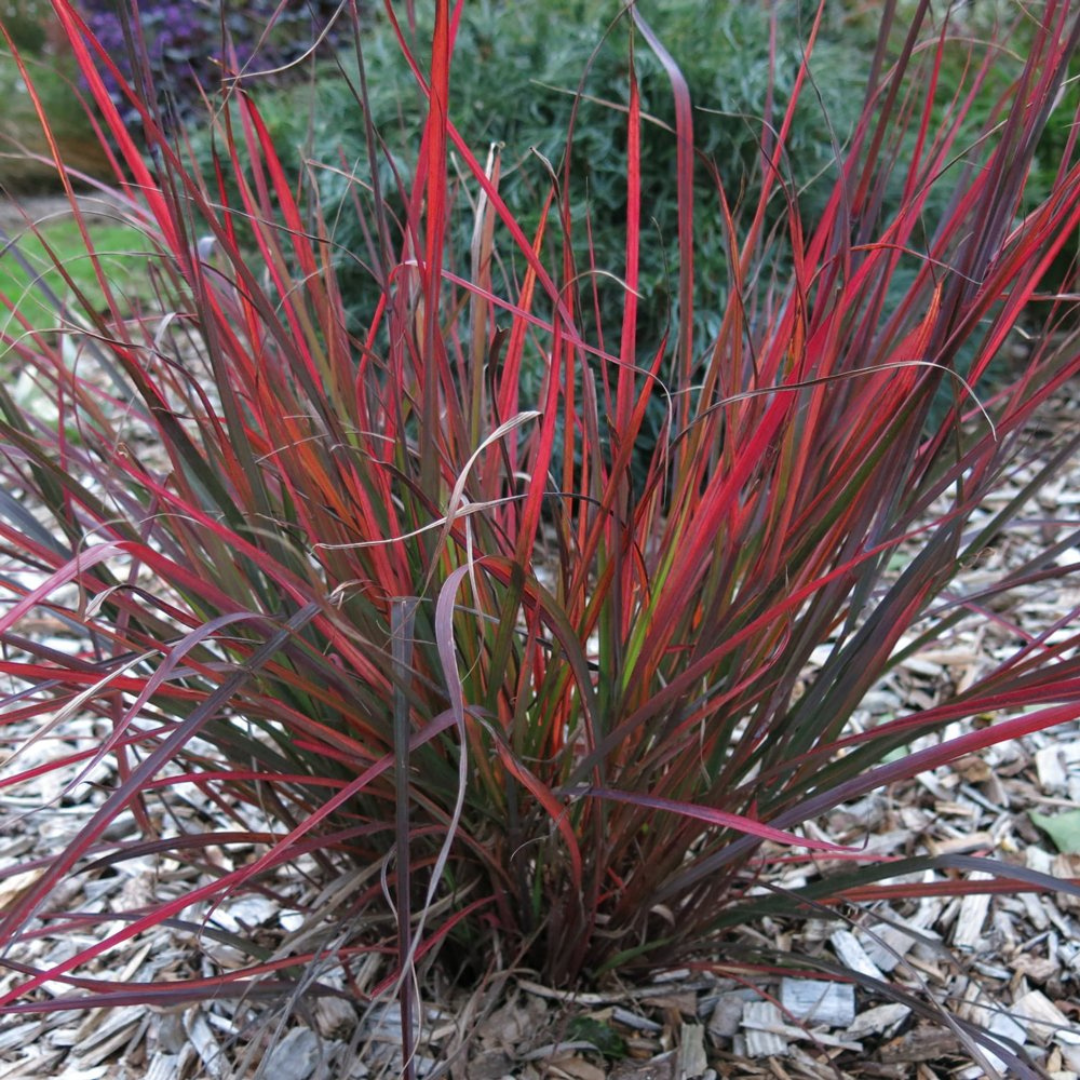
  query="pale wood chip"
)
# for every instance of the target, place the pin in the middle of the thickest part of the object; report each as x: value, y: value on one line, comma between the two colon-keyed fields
x: 334, y: 1016
x: 662, y: 1069
x: 685, y: 1003
x: 47, y: 1064
x: 920, y: 665
x: 505, y: 1026
x: 1071, y: 1057
x: 851, y: 954
x: 675, y: 975
x: 101, y: 1024
x: 958, y: 845
x: 1036, y: 968
x: 1043, y: 1020
x: 1067, y: 865
x: 125, y: 1039
x: 554, y: 1051
x: 821, y: 1003
x: 879, y: 1020
x: 886, y: 946
x: 1035, y: 911
x: 295, y: 1056
x: 637, y: 1022
x: 206, y: 1046
x: 490, y: 1065
x: 164, y: 1066
x: 1052, y: 766
x: 1003, y: 1024
x: 12, y: 888
x: 568, y: 995
x: 762, y: 1023
x: 15, y: 1038
x: 764, y: 1027
x: 691, y: 1061
x: 974, y: 907
x: 726, y: 1016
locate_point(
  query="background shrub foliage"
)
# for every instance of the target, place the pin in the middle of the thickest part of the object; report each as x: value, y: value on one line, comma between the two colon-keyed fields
x: 525, y: 73
x: 528, y: 76
x: 520, y: 676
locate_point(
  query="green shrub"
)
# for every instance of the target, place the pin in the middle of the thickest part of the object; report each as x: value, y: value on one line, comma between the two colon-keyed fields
x: 27, y: 22
x: 517, y: 73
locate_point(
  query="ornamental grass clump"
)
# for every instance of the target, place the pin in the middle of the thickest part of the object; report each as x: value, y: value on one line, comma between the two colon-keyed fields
x: 434, y: 642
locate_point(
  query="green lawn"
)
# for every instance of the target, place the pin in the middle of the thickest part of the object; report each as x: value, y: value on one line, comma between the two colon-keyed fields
x: 119, y: 248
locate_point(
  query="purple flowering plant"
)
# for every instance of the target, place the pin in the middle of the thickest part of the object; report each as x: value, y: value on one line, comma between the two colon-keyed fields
x: 190, y: 45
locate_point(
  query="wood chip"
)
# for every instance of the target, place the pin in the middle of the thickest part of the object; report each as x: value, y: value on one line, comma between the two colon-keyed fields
x: 762, y: 1022
x: 1035, y: 912
x: 821, y: 1003
x: 295, y: 1056
x: 924, y: 1043
x: 637, y: 1022
x: 576, y: 1068
x: 20, y: 1035
x: 334, y: 1016
x: 691, y: 1060
x: 661, y: 1069
x: 551, y: 1051
x: 47, y: 1065
x: 1006, y: 1027
x: 202, y: 1039
x: 123, y: 1038
x: 968, y: 931
x: 102, y: 1024
x: 1043, y: 1020
x: 165, y: 1066
x: 879, y: 1020
x: 958, y: 845
x: 726, y: 1016
x: 851, y: 954
x: 886, y: 946
x: 13, y: 887
x: 684, y: 1004
x: 1052, y: 767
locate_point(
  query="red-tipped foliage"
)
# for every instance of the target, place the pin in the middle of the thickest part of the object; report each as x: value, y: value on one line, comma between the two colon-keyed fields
x: 600, y: 726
